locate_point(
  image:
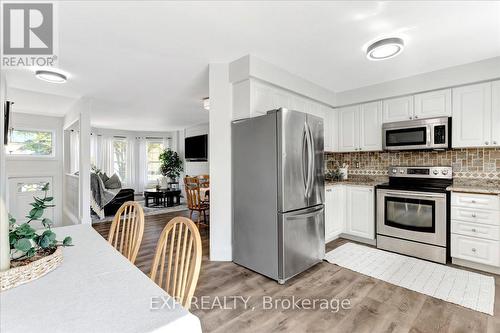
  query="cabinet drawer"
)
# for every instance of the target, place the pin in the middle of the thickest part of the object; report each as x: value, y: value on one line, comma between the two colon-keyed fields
x: 482, y: 201
x: 478, y: 250
x: 475, y: 229
x: 475, y: 215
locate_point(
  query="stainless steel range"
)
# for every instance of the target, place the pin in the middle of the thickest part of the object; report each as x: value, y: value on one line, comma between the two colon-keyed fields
x: 412, y: 212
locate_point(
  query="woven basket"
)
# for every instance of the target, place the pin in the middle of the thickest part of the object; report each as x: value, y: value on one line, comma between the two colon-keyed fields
x: 32, y: 271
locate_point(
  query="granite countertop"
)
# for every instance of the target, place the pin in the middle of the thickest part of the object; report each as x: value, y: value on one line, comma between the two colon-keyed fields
x: 485, y: 186
x: 359, y: 180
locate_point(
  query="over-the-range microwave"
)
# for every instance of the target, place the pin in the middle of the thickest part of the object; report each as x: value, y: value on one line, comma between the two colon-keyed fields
x: 430, y: 133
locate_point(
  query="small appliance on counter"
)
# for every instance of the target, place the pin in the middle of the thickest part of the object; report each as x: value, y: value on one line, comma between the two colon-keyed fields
x: 413, y: 212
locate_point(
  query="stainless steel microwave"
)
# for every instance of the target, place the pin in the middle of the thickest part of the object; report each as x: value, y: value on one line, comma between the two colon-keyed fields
x: 431, y: 133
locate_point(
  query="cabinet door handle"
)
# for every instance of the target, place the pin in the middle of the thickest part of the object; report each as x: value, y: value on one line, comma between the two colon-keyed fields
x: 473, y: 201
x: 473, y: 230
x: 329, y: 190
x: 474, y: 250
x: 416, y: 117
x: 494, y: 142
x: 486, y: 143
x: 473, y: 214
x: 411, y: 117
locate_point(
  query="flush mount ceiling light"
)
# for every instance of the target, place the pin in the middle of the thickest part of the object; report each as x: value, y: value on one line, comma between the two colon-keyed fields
x: 50, y: 76
x: 385, y: 48
x: 206, y: 103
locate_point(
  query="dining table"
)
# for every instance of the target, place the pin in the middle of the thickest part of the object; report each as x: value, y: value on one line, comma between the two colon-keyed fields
x: 95, y: 289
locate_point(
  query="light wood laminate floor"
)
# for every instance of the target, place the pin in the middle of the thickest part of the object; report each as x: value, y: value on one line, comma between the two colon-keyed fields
x: 376, y: 306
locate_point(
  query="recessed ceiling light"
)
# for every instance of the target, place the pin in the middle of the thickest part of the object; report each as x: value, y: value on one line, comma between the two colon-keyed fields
x: 206, y: 103
x: 385, y: 48
x: 51, y: 76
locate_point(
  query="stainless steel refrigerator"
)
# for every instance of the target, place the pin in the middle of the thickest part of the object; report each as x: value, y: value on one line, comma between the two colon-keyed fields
x: 278, y: 193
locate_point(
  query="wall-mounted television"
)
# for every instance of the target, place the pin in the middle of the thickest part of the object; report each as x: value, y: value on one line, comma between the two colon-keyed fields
x: 6, y: 117
x: 196, y: 148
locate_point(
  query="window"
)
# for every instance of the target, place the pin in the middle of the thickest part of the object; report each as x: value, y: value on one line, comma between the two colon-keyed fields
x: 154, y: 149
x: 120, y: 158
x: 31, y: 143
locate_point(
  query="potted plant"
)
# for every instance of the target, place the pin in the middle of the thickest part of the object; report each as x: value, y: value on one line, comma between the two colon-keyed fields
x: 171, y: 167
x: 33, y: 253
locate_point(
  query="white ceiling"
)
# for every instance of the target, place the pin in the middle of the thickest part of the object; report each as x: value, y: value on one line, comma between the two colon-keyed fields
x: 144, y: 64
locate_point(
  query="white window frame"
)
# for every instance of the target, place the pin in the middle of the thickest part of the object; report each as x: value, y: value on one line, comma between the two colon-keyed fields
x: 155, y: 140
x: 126, y: 178
x: 52, y: 156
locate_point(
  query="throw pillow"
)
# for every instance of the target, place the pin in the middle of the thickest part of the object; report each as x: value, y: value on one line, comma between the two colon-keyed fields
x: 104, y: 177
x: 113, y: 182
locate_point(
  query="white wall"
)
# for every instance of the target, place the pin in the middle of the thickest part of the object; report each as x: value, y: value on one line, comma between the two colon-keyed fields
x: 78, y: 113
x: 220, y: 162
x: 194, y: 168
x: 4, y: 225
x: 29, y: 166
x: 453, y: 76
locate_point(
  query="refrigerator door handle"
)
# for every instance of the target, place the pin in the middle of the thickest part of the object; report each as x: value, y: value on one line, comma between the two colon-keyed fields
x: 308, y: 214
x: 304, y: 167
x: 310, y: 160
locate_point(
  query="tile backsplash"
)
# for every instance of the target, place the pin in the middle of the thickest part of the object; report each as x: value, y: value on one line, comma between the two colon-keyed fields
x: 481, y: 163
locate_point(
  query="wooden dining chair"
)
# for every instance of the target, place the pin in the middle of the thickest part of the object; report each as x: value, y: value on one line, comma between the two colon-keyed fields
x: 179, y: 249
x: 195, y: 200
x: 127, y: 229
x: 204, y: 180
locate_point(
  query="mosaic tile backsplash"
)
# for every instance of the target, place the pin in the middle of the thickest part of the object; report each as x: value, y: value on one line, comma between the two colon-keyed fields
x: 466, y: 163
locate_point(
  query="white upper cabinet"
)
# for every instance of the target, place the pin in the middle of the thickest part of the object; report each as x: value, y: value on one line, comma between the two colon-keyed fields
x: 331, y: 129
x: 433, y: 104
x: 360, y: 127
x: 360, y: 211
x: 472, y: 116
x: 495, y: 113
x: 398, y: 109
x: 349, y: 128
x: 371, y: 126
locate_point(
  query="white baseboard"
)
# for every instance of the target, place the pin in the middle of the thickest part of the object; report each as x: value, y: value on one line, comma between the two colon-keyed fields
x: 475, y: 265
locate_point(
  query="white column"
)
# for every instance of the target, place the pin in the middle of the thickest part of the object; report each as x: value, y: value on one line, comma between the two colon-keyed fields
x: 4, y: 221
x: 85, y: 162
x: 220, y: 162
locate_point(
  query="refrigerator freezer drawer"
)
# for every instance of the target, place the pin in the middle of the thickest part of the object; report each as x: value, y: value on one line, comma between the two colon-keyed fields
x: 302, y: 240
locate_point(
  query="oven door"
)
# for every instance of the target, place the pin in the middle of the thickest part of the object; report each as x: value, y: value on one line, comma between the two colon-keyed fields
x: 404, y: 138
x: 416, y: 216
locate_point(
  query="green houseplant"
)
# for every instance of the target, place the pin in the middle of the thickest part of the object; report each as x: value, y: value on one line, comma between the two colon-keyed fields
x: 170, y: 165
x: 27, y: 244
x: 33, y: 253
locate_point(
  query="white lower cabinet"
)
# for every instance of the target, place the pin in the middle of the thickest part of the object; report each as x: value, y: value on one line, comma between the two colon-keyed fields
x: 349, y: 210
x: 334, y: 212
x: 360, y: 212
x: 475, y: 231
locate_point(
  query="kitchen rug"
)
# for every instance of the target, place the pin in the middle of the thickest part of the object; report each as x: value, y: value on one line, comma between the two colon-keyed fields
x: 471, y: 290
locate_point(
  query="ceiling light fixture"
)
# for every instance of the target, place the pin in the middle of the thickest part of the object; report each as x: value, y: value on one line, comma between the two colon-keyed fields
x: 206, y: 103
x: 51, y: 76
x: 385, y: 48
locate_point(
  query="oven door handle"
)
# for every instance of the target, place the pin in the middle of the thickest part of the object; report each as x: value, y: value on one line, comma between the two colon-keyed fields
x: 437, y: 196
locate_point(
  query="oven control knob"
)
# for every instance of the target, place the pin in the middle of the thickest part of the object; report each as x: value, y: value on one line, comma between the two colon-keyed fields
x: 444, y: 172
x: 401, y: 171
x: 435, y: 172
x: 394, y: 171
